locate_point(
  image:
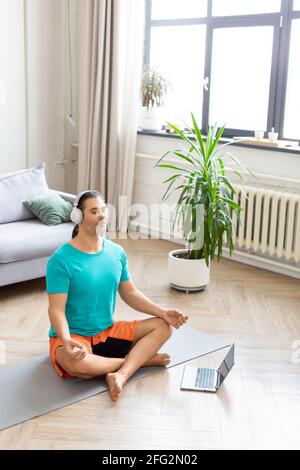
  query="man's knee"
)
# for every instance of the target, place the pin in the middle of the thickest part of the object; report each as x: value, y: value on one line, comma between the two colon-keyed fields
x: 77, y: 371
x: 75, y: 367
x: 164, y: 328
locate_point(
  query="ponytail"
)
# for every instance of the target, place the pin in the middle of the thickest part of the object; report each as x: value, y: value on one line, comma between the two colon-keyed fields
x: 75, y: 231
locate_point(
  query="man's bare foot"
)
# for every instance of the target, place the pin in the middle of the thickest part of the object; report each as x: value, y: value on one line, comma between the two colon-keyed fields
x: 115, y: 383
x: 160, y: 359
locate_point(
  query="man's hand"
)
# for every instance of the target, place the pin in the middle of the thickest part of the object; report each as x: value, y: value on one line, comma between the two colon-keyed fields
x: 75, y: 349
x: 174, y: 317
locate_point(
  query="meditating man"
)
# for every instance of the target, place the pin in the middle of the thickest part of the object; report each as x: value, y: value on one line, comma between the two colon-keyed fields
x: 83, y: 277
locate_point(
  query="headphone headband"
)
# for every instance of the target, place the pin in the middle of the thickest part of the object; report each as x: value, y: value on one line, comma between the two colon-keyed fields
x: 75, y: 203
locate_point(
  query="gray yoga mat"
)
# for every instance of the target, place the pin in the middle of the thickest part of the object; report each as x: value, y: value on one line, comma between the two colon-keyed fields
x: 32, y: 387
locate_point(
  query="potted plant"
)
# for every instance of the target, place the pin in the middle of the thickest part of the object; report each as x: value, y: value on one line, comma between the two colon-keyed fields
x: 154, y: 88
x: 205, y: 205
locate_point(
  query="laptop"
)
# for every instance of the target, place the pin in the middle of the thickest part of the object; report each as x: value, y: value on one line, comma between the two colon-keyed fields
x: 205, y: 379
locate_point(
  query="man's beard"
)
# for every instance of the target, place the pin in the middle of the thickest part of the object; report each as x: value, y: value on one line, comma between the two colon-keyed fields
x: 101, y: 228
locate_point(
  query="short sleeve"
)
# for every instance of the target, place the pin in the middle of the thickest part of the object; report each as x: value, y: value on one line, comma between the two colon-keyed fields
x: 57, y: 277
x: 125, y: 276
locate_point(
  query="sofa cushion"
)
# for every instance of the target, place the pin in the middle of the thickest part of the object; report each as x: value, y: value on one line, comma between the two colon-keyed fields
x: 29, y: 239
x: 50, y: 208
x: 17, y: 187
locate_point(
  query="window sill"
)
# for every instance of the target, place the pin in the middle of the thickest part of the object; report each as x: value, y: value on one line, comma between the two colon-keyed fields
x: 295, y: 150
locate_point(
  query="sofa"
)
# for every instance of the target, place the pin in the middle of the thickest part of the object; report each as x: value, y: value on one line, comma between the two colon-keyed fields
x: 25, y: 242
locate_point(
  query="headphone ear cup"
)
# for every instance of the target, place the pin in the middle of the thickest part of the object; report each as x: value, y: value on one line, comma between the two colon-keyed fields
x: 76, y: 215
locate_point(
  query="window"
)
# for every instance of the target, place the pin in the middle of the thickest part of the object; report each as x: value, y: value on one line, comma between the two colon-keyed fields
x: 186, y: 73
x: 232, y: 62
x: 296, y: 5
x: 240, y: 80
x: 168, y: 9
x: 244, y: 7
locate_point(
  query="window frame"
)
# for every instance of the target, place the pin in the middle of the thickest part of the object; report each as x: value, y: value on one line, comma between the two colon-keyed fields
x: 281, y: 22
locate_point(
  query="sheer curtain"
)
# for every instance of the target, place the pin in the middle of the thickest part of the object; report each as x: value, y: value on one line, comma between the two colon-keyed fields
x: 111, y: 57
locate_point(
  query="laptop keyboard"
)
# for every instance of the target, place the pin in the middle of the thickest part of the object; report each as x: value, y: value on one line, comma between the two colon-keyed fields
x: 205, y: 378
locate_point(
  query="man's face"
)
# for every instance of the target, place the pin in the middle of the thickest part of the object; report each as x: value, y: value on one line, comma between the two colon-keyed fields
x: 95, y: 214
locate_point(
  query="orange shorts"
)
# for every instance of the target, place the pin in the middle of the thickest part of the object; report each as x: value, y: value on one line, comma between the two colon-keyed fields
x: 115, y: 341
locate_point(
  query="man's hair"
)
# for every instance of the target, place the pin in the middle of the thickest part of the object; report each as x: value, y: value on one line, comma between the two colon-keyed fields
x: 80, y: 205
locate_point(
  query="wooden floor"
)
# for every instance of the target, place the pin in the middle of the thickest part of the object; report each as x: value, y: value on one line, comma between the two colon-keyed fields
x: 257, y: 407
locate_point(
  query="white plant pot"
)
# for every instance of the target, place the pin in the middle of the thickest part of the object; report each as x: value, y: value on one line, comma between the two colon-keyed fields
x: 150, y: 118
x: 187, y: 274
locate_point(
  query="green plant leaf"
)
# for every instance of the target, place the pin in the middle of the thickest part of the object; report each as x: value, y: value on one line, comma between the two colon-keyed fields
x: 168, y: 188
x: 198, y: 135
x: 243, y: 167
x: 158, y: 162
x: 227, y: 183
x: 216, y: 140
x: 231, y: 203
x: 184, y: 137
x: 182, y: 175
x: 238, y: 174
x: 181, y: 155
x: 172, y: 167
x: 232, y: 142
x: 172, y: 177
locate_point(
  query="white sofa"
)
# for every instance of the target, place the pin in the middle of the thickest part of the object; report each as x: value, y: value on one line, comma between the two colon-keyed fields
x: 26, y: 243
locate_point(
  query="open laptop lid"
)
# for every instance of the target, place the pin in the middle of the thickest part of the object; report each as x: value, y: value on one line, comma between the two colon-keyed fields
x: 227, y: 363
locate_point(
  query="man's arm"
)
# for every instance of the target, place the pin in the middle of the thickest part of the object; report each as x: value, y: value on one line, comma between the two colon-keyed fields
x: 56, y: 312
x: 140, y: 302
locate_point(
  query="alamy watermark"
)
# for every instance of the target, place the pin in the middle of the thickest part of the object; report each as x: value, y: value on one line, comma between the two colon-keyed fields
x: 2, y: 352
x: 295, y: 357
x: 186, y: 221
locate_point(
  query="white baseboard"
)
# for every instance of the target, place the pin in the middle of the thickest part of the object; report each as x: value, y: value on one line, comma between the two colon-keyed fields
x: 239, y: 256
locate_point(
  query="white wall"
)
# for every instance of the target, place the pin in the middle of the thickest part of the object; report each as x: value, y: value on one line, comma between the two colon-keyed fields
x: 281, y: 169
x: 268, y: 162
x: 12, y: 78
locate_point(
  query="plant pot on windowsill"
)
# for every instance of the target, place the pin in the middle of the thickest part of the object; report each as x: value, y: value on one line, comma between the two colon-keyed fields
x: 154, y: 88
x: 150, y: 118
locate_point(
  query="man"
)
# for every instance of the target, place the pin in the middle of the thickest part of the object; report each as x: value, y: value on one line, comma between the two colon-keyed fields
x: 83, y: 277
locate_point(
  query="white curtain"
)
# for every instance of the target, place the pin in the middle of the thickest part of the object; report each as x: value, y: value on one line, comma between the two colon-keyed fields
x: 111, y: 57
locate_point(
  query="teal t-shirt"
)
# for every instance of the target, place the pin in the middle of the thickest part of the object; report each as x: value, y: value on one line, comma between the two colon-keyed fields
x: 91, y: 282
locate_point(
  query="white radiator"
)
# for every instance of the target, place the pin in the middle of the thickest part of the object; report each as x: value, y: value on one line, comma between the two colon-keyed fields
x: 270, y: 223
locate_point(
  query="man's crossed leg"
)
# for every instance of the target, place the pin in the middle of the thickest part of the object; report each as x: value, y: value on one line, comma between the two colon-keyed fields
x: 149, y: 336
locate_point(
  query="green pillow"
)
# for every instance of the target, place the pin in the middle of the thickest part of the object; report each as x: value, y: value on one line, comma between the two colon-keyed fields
x: 50, y: 208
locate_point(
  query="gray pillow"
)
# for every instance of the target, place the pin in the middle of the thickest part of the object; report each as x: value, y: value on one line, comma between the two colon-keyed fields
x: 51, y: 208
x: 17, y: 187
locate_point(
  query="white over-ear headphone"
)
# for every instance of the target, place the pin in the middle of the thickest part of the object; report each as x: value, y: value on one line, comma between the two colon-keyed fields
x: 76, y: 214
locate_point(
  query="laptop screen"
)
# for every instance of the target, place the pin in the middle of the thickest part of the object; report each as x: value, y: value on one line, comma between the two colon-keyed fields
x: 228, y: 362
